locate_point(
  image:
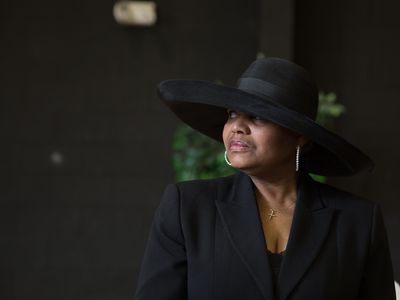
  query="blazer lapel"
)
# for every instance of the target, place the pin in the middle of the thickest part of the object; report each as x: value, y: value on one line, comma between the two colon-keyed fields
x: 310, y: 226
x: 239, y: 214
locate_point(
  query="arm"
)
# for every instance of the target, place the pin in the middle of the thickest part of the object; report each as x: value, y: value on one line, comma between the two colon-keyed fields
x: 378, y: 282
x: 164, y: 268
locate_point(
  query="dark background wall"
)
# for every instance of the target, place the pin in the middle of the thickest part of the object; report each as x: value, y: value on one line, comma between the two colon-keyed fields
x: 85, y: 142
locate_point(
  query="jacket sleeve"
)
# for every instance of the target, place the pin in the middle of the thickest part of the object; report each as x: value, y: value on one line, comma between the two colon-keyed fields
x: 378, y: 282
x: 164, y: 269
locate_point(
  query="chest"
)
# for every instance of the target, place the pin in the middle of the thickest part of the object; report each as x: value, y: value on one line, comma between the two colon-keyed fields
x: 276, y: 227
x: 226, y: 241
x: 236, y: 268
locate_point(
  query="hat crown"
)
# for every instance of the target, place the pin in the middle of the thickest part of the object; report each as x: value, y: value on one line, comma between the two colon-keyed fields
x: 284, y: 82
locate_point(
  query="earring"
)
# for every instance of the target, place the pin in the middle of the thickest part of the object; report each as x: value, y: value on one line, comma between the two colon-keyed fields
x: 297, y: 157
x: 227, y: 160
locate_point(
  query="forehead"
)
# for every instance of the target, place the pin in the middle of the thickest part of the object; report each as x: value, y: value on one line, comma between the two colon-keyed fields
x: 246, y: 114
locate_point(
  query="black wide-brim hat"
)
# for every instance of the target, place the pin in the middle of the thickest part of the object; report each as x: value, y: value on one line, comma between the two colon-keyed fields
x: 273, y: 89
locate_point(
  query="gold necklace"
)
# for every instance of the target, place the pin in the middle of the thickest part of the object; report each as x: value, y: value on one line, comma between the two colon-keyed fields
x: 274, y: 212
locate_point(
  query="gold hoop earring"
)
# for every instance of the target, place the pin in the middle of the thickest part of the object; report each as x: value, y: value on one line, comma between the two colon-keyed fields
x: 226, y: 159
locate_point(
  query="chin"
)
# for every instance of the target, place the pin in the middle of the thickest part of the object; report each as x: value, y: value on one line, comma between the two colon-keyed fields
x: 243, y: 166
x: 250, y: 168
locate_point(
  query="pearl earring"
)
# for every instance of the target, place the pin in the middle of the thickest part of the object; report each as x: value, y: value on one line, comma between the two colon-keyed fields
x: 297, y: 157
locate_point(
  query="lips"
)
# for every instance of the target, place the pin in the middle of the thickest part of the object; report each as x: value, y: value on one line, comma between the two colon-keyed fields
x: 238, y: 145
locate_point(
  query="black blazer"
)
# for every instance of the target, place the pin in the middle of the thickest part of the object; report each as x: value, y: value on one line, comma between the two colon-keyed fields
x: 207, y: 243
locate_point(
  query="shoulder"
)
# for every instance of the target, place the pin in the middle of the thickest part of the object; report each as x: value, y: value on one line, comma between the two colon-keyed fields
x: 340, y: 198
x: 196, y: 192
x: 191, y: 202
x: 347, y: 205
x: 204, y: 186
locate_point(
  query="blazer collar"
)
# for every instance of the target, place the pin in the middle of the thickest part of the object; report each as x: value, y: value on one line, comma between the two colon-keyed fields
x: 238, y: 210
x: 310, y: 227
x: 237, y: 207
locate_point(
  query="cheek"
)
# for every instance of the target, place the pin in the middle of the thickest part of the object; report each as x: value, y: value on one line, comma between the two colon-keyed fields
x: 225, y: 134
x: 276, y: 140
x: 263, y: 138
x: 286, y: 144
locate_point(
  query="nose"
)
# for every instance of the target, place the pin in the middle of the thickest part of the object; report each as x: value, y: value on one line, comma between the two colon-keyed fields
x: 240, y: 126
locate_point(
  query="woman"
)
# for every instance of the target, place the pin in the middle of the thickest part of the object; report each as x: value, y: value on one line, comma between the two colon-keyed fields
x: 270, y: 231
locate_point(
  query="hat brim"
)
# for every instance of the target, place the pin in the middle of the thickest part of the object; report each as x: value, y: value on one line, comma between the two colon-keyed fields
x: 203, y: 104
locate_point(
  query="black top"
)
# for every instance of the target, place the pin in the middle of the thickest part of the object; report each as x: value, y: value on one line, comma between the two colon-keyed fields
x: 275, y: 260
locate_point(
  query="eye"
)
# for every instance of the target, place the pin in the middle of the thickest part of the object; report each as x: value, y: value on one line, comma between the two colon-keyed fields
x: 257, y: 118
x: 232, y: 114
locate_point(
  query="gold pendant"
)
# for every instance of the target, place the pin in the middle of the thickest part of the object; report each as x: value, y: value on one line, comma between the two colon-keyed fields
x: 272, y: 213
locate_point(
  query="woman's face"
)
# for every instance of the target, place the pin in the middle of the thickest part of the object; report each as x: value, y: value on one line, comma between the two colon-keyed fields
x: 258, y: 146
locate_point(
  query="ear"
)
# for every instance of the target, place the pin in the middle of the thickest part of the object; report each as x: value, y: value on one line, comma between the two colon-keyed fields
x: 302, y: 140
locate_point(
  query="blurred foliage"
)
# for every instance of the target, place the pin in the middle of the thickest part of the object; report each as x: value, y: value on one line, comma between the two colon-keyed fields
x: 196, y: 156
x: 329, y: 110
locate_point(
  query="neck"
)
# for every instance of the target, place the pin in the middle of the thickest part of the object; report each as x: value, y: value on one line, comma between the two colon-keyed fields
x: 276, y: 191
